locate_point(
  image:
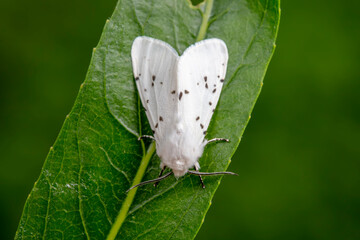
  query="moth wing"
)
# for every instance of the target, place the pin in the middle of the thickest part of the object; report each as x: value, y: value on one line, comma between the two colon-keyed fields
x: 201, y: 74
x: 154, y: 66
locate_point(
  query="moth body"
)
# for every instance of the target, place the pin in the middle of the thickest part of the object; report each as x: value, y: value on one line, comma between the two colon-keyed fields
x: 179, y: 150
x: 179, y: 94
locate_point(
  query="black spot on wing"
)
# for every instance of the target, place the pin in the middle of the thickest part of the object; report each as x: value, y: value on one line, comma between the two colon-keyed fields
x: 214, y: 90
x: 152, y: 84
x: 137, y: 78
x: 210, y: 103
x: 202, y: 126
x: 197, y: 118
x: 157, y: 124
x: 180, y: 96
x: 173, y: 92
x: 205, y: 78
x: 186, y: 92
x: 206, y: 85
x: 161, y: 118
x: 153, y: 77
x: 222, y: 80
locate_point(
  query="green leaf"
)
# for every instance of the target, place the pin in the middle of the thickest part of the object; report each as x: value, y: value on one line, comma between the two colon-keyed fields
x: 81, y: 191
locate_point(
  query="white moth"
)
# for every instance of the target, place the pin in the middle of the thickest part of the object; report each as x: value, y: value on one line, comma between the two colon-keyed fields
x: 179, y: 94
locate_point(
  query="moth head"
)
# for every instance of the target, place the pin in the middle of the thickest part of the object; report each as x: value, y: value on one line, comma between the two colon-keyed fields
x: 177, y: 164
x: 179, y: 168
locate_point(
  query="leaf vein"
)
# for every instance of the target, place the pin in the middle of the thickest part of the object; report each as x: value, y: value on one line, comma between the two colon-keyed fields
x: 152, y: 198
x: 185, y: 212
x: 175, y: 30
x: 105, y: 209
x: 51, y: 187
x: 113, y: 165
x: 137, y: 18
x: 241, y: 64
x: 80, y: 172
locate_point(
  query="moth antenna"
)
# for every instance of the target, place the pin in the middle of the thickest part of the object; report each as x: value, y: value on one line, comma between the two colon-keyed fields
x: 218, y: 139
x: 211, y: 173
x: 151, y: 181
x: 146, y: 136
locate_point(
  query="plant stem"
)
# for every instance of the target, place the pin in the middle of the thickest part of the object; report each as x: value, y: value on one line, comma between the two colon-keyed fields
x: 130, y: 197
x: 205, y: 20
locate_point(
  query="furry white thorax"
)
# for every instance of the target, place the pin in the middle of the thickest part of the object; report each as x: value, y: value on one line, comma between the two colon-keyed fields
x: 179, y: 150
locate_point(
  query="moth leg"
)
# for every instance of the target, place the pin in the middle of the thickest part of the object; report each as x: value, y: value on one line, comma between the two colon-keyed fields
x: 161, y: 172
x: 146, y: 136
x: 217, y: 139
x: 197, y: 167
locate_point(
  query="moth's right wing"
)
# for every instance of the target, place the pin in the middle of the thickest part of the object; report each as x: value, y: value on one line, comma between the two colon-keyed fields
x: 154, y: 66
x: 201, y: 75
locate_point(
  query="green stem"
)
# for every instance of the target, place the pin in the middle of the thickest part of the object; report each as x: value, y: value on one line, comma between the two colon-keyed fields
x: 205, y: 20
x: 130, y: 197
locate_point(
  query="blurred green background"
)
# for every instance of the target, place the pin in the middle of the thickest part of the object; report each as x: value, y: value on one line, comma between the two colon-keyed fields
x: 299, y: 159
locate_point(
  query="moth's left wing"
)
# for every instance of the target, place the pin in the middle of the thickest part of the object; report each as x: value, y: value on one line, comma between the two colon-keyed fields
x: 201, y: 74
x: 154, y: 66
